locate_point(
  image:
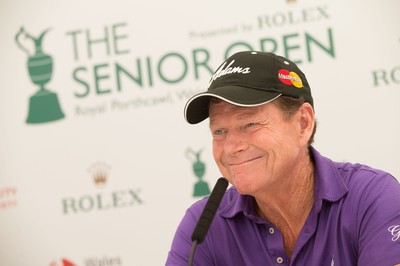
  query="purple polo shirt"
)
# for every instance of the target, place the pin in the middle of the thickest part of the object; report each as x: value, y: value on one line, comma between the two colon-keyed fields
x: 355, y: 220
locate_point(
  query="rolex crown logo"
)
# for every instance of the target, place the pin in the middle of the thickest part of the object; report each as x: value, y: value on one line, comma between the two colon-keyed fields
x: 100, y: 172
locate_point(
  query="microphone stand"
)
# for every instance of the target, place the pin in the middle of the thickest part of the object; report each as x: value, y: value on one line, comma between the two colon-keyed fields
x: 191, y: 256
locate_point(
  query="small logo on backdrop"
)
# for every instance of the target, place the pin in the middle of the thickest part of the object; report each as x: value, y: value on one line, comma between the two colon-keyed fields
x: 100, y: 172
x: 8, y: 197
x: 201, y: 187
x: 62, y: 262
x: 103, y: 261
x: 92, y: 261
x: 395, y: 231
x: 389, y: 76
x: 290, y: 78
x: 43, y: 105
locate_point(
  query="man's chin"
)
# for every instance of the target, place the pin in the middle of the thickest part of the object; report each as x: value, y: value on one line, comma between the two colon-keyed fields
x: 242, y: 184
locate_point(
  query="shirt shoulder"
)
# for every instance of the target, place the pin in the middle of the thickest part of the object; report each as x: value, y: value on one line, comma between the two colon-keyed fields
x: 230, y: 204
x: 360, y: 173
x: 372, y: 203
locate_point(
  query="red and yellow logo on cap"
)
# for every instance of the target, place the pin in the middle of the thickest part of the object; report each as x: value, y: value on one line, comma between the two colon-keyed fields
x: 290, y: 78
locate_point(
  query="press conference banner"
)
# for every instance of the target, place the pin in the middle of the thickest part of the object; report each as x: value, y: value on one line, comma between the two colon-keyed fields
x: 97, y: 164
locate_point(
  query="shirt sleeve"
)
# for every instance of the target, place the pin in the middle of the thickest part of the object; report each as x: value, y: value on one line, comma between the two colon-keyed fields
x: 378, y: 222
x: 182, y: 242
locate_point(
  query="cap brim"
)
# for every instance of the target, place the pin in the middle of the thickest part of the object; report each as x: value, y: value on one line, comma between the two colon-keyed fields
x: 196, y: 109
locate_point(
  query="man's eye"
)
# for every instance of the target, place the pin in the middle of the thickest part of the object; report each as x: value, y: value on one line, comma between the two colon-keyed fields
x: 249, y: 125
x: 219, y: 132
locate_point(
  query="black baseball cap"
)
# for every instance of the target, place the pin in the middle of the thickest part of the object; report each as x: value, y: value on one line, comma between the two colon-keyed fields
x: 250, y: 79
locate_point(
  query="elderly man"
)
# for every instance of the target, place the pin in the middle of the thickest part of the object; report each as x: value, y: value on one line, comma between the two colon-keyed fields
x: 288, y: 205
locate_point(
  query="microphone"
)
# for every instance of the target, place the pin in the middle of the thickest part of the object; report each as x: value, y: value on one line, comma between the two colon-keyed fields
x: 206, y: 217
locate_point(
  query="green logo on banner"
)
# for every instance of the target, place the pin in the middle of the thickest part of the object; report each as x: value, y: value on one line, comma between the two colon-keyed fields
x: 43, y: 105
x: 199, y: 168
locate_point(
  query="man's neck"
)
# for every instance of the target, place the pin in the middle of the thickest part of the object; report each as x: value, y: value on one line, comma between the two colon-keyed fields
x: 289, y: 205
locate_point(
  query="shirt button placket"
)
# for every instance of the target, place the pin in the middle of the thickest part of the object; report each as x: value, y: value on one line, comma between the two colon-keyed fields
x: 274, y: 237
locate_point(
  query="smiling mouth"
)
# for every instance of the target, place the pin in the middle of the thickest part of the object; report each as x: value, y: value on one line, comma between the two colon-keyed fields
x: 244, y: 162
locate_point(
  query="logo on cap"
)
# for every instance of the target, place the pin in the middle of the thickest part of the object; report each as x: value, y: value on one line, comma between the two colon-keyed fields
x: 290, y: 78
x: 228, y: 70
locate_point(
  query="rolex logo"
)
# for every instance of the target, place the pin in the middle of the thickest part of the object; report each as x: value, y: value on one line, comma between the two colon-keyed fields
x: 100, y: 172
x: 104, y: 199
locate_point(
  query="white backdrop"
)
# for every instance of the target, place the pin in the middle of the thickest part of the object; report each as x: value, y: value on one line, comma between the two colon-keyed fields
x: 107, y: 177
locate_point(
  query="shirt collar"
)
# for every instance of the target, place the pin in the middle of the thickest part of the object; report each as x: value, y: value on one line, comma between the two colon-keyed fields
x: 328, y: 183
x: 328, y: 186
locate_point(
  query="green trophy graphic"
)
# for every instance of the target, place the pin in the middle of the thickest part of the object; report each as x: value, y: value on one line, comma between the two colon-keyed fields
x: 201, y: 187
x: 43, y: 105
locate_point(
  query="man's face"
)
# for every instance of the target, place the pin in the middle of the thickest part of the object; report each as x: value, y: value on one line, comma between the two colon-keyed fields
x: 256, y: 148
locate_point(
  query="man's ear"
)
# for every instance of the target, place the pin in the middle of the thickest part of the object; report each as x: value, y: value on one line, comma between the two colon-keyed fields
x: 307, y: 121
